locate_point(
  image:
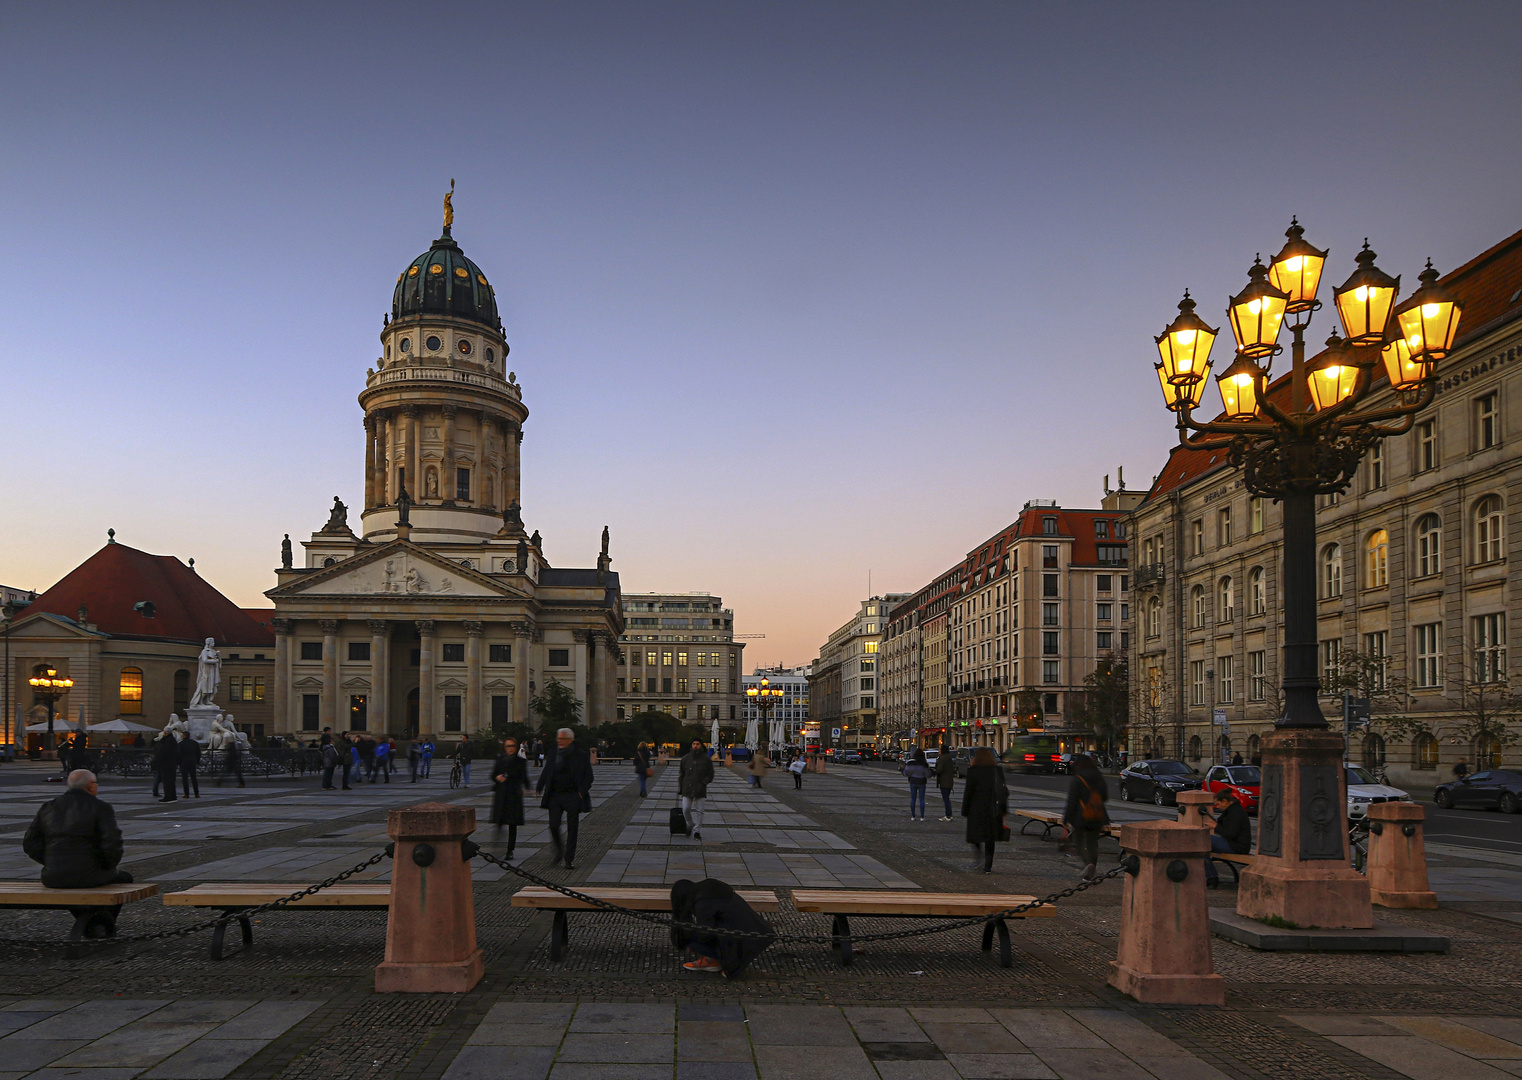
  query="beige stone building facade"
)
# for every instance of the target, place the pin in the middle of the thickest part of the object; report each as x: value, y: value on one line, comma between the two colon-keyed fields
x: 443, y: 615
x: 680, y: 657
x: 843, y: 686
x: 1414, y: 565
x: 913, y: 662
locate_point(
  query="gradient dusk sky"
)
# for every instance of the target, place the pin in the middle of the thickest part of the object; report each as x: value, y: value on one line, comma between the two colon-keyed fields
x: 795, y: 291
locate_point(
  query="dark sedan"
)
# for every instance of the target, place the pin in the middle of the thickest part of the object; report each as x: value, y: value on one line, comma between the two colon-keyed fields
x: 1159, y: 780
x: 1493, y: 789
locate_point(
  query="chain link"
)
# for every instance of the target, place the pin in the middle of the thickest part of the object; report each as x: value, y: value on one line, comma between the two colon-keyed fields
x: 196, y: 928
x: 814, y: 939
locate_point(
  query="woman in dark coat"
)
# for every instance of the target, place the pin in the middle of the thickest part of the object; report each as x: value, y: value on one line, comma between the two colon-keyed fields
x: 510, y: 779
x: 1085, y: 812
x: 642, y: 766
x: 985, y: 800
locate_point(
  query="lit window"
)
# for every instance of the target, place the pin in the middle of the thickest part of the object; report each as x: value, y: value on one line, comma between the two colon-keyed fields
x: 1376, y: 560
x: 130, y: 693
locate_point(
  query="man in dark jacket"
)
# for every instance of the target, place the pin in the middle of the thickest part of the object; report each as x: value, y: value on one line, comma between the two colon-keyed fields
x: 189, y: 754
x: 166, y: 762
x: 713, y: 903
x: 692, y: 781
x: 1233, y: 833
x: 566, y: 784
x: 76, y: 839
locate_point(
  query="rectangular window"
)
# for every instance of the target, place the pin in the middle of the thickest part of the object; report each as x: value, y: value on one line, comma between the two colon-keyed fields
x: 501, y: 710
x: 1197, y: 537
x: 1429, y: 655
x: 1376, y: 646
x: 634, y: 686
x: 1255, y: 684
x: 1376, y: 466
x: 1196, y: 682
x: 1486, y: 428
x: 681, y: 712
x: 1049, y: 672
x: 866, y: 703
x: 1331, y: 654
x: 234, y: 689
x: 130, y: 692
x: 1101, y: 529
x: 311, y: 650
x: 1103, y: 640
x: 702, y: 660
x: 871, y: 647
x: 1125, y: 612
x: 452, y: 713
x: 503, y: 654
x: 1049, y: 643
x: 558, y: 657
x: 454, y: 652
x: 681, y: 659
x: 665, y: 686
x: 666, y: 657
x: 1049, y: 526
x: 1226, y: 678
x: 359, y: 650
x: 1103, y: 582
x: 1049, y: 556
x: 462, y: 485
x: 650, y: 659
x: 1103, y: 612
x: 1049, y: 614
x: 359, y: 712
x: 1111, y: 554
x: 311, y: 711
x: 867, y: 684
x: 1048, y: 584
x: 681, y: 686
x: 621, y: 686
x: 1489, y: 648
x: 1255, y: 515
x: 1223, y: 525
x: 1426, y: 445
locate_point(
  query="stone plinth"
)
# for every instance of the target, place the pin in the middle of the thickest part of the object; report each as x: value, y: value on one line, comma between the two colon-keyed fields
x: 1302, y: 877
x: 198, y: 720
x: 1398, y: 857
x: 1164, y: 954
x: 1194, y: 809
x: 815, y: 763
x: 431, y: 931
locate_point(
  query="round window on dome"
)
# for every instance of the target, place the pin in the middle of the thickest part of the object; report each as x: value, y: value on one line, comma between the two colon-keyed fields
x: 433, y: 344
x: 461, y: 272
x: 464, y: 347
x: 435, y: 269
x: 412, y: 272
x: 406, y: 345
x: 399, y: 278
x: 481, y: 278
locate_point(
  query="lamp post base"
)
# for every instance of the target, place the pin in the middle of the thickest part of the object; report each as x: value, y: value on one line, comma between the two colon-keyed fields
x: 1302, y: 877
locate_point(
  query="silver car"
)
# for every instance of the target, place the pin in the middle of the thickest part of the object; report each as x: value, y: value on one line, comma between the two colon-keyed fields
x: 1364, y: 789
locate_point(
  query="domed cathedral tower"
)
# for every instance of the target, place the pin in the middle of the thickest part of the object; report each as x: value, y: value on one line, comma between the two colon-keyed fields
x: 442, y: 617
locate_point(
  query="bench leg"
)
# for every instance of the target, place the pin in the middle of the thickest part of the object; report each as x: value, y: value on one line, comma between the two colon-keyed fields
x: 559, y: 936
x: 77, y: 933
x: 1028, y: 823
x: 217, y: 933
x: 841, y: 931
x: 1005, y: 960
x: 988, y: 937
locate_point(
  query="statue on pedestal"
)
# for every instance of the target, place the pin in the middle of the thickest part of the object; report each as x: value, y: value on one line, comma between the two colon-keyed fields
x: 208, y: 674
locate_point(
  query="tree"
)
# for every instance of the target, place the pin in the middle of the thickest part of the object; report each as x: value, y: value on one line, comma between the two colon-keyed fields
x: 556, y: 706
x: 653, y: 727
x: 1148, y: 713
x: 1103, y: 710
x: 1486, y: 711
x: 1368, y: 676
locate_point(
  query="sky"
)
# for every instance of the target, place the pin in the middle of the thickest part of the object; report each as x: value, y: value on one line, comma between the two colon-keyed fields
x: 798, y: 293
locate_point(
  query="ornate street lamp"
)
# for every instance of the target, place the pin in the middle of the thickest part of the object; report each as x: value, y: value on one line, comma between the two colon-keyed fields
x: 764, y: 699
x: 1300, y: 438
x: 49, y: 687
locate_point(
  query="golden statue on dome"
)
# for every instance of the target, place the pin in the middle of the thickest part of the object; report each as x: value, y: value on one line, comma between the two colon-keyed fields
x: 449, y: 206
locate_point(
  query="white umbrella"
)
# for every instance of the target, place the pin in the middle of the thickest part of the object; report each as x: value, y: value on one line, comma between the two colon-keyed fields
x: 752, y: 737
x: 59, y: 724
x: 777, y: 737
x: 714, y: 740
x: 118, y: 727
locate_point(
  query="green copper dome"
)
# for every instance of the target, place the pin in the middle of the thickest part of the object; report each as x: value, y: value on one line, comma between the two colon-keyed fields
x: 442, y: 281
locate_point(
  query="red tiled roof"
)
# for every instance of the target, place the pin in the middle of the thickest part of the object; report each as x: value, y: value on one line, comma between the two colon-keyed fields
x: 1490, y: 288
x: 187, y: 608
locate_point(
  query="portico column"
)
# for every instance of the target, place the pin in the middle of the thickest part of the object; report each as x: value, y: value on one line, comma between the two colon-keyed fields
x: 580, y: 656
x: 370, y: 426
x: 521, y: 636
x: 425, y: 629
x: 473, y: 720
x: 329, y: 671
x: 380, y: 673
x: 446, y: 479
x: 282, y: 687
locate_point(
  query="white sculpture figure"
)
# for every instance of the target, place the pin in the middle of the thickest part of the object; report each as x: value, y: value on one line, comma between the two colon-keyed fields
x: 208, y: 674
x: 176, y: 726
x: 225, y: 734
x: 391, y: 584
x: 415, y: 582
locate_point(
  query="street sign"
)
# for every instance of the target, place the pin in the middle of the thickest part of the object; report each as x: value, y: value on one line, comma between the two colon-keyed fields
x: 1355, y: 712
x: 834, y: 733
x: 1219, y: 718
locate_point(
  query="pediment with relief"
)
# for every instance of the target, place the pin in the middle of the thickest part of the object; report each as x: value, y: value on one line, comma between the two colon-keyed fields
x: 399, y: 569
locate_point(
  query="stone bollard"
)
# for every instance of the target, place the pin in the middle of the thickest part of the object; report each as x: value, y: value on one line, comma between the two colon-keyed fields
x: 816, y: 763
x: 1194, y: 807
x: 592, y: 754
x: 1398, y: 857
x: 1164, y: 954
x: 431, y: 930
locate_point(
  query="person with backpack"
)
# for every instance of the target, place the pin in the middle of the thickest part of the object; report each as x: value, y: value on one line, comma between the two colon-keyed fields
x: 642, y: 766
x: 946, y: 778
x: 1085, y: 813
x: 917, y: 771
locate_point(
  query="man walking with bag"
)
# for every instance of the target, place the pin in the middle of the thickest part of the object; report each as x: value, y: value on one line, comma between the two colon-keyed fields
x: 692, y: 785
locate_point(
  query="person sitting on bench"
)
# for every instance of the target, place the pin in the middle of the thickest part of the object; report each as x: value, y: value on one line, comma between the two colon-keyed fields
x: 76, y: 839
x: 1233, y: 833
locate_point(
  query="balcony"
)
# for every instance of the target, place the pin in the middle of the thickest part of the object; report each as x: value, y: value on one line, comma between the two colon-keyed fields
x: 1148, y: 574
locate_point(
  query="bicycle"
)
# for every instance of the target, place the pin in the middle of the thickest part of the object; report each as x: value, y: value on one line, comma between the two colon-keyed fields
x: 1358, y: 845
x: 455, y: 775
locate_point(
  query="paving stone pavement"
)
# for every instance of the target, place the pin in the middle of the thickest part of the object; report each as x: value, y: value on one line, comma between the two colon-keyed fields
x: 619, y: 1006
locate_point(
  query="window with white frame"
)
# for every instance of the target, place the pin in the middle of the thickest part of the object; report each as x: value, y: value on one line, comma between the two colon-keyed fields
x: 1223, y: 525
x: 1489, y: 636
x: 1425, y: 434
x: 1488, y: 530
x: 1376, y: 646
x: 1255, y: 683
x: 1255, y: 515
x: 1487, y: 430
x: 1429, y: 655
x: 1331, y: 571
x: 1226, y: 599
x: 1376, y: 466
x: 1225, y: 673
x: 1197, y: 537
x: 1331, y: 653
x: 1196, y: 682
x: 1429, y: 545
x: 1255, y: 591
x: 1154, y: 617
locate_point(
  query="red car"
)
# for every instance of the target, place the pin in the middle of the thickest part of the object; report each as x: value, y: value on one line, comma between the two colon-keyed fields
x: 1243, y: 781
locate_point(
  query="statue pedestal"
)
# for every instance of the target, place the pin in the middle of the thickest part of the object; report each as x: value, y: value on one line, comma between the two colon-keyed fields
x: 198, y: 718
x: 1301, y: 877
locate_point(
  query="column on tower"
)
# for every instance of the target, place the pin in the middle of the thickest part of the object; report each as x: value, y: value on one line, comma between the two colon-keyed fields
x: 329, y: 671
x: 447, y: 490
x: 370, y: 438
x: 282, y: 687
x: 393, y: 460
x: 425, y: 629
x: 414, y: 452
x: 487, y: 496
x: 473, y: 721
x: 380, y: 675
x: 514, y: 461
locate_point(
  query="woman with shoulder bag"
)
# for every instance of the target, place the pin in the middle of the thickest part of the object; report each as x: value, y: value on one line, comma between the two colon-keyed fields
x: 985, y: 801
x: 917, y: 771
x: 1085, y: 812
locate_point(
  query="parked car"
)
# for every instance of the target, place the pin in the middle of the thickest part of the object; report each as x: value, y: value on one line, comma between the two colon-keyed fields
x: 962, y: 756
x: 1064, y: 763
x: 931, y: 756
x: 1243, y: 781
x: 850, y: 757
x: 1158, y: 779
x: 1493, y: 789
x: 1364, y: 789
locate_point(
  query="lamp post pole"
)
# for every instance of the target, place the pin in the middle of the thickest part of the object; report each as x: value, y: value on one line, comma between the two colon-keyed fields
x: 1292, y: 443
x: 47, y: 685
x: 763, y: 699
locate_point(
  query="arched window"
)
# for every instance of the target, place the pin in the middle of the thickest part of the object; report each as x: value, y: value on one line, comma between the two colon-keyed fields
x: 1225, y: 595
x: 181, y: 691
x: 1146, y: 746
x: 1254, y: 745
x: 1224, y: 749
x: 1487, y: 752
x: 1373, y: 750
x: 1154, y: 617
x: 1489, y: 534
x: 1256, y: 598
x: 1195, y: 752
x: 1376, y: 565
x: 1197, y: 599
x: 1331, y: 571
x: 1429, y: 545
x: 1424, y: 750
x: 1160, y: 748
x: 131, y: 692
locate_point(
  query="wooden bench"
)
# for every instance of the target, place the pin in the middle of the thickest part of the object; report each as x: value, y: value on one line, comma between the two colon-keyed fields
x: 1050, y: 819
x: 843, y: 903
x: 1236, y: 862
x: 650, y: 899
x: 81, y: 903
x: 235, y: 898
